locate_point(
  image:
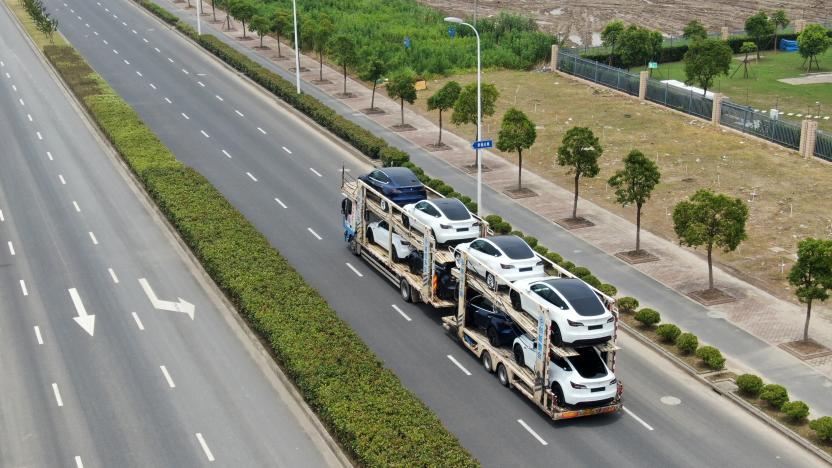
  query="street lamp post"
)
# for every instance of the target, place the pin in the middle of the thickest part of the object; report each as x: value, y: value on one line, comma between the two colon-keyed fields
x: 297, y: 46
x: 455, y: 20
x: 199, y: 17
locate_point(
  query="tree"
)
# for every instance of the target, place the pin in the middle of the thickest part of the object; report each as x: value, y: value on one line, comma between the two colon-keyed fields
x: 746, y: 48
x: 694, y: 31
x: 443, y: 100
x: 243, y: 11
x: 634, y: 184
x: 319, y: 36
x: 813, y: 41
x: 402, y: 86
x: 759, y: 27
x: 517, y: 133
x: 780, y: 20
x: 611, y: 35
x: 374, y: 70
x: 579, y: 152
x: 811, y: 275
x: 262, y: 25
x: 637, y: 45
x: 712, y: 220
x: 465, y: 107
x: 226, y: 4
x: 344, y: 52
x: 280, y: 22
x: 214, y: 9
x: 704, y: 60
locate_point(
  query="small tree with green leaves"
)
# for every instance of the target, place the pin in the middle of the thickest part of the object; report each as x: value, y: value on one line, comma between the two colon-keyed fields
x: 281, y: 22
x: 344, y: 52
x: 402, y: 86
x: 813, y: 41
x: 443, y: 100
x: 759, y: 27
x: 465, y: 107
x: 243, y: 11
x: 780, y: 20
x: 320, y: 32
x: 261, y: 25
x: 611, y: 35
x: 637, y: 45
x: 634, y: 184
x: 517, y: 133
x: 746, y: 48
x: 373, y: 70
x: 712, y: 220
x: 46, y: 25
x: 694, y: 31
x: 705, y: 60
x: 811, y: 275
x: 579, y: 151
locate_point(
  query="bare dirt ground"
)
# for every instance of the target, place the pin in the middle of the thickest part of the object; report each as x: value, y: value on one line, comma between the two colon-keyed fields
x: 582, y: 20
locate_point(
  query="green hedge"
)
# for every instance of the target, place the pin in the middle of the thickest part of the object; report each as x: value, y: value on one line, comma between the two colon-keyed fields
x: 367, y: 409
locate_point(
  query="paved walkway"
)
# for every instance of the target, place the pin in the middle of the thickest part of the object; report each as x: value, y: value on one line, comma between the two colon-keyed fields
x: 767, y: 320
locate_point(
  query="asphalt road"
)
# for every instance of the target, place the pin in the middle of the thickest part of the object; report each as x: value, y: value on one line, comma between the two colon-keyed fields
x: 284, y: 176
x: 136, y: 385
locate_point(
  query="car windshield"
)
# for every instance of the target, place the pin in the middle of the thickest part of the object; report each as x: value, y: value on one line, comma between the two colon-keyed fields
x: 588, y: 364
x: 402, y: 177
x: 579, y: 295
x: 513, y: 246
x: 453, y: 209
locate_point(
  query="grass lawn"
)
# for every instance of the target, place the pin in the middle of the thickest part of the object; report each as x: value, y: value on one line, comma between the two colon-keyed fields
x: 762, y: 90
x: 789, y: 193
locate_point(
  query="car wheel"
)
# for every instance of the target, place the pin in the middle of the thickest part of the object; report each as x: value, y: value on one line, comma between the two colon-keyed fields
x: 558, y: 394
x: 515, y: 300
x: 458, y: 259
x: 493, y: 337
x: 369, y: 236
x: 406, y: 220
x: 383, y: 205
x: 518, y: 355
x: 491, y: 281
x: 486, y: 361
x: 502, y: 375
x: 404, y: 289
x: 557, y: 339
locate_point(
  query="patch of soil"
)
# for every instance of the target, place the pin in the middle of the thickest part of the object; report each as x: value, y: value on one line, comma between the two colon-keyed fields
x: 722, y: 376
x: 805, y: 350
x: 575, y: 223
x: 635, y: 257
x: 346, y: 95
x: 320, y: 82
x: 280, y: 58
x: 710, y: 297
x: 403, y: 128
x: 520, y: 193
x: 216, y: 22
x: 433, y: 147
x: 373, y: 111
x: 302, y: 69
x: 265, y: 47
x: 472, y: 168
x: 247, y: 38
x: 232, y: 28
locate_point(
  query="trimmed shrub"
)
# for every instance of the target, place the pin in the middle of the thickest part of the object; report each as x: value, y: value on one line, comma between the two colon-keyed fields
x: 541, y: 250
x: 163, y: 14
x: 711, y: 356
x: 531, y: 240
x: 668, y: 332
x: 581, y: 272
x: 687, y: 343
x: 648, y: 317
x: 592, y: 281
x: 608, y: 289
x: 393, y: 157
x: 554, y: 257
x: 796, y: 411
x: 517, y: 233
x: 822, y: 427
x: 750, y: 384
x: 775, y: 395
x: 493, y: 219
x: 568, y: 266
x: 627, y: 304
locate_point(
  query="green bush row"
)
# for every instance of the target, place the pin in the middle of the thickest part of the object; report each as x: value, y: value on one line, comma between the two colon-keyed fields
x: 165, y: 15
x: 365, y: 406
x: 777, y: 398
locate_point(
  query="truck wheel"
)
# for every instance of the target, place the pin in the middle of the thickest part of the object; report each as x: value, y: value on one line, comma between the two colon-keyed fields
x: 486, y: 361
x: 355, y: 247
x: 518, y: 355
x: 515, y: 300
x: 404, y: 288
x: 502, y: 375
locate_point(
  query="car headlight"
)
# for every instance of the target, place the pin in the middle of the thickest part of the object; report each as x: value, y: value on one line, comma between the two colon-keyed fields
x: 577, y: 386
x: 574, y: 324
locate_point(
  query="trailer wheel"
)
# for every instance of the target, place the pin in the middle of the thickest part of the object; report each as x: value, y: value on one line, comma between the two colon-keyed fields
x: 486, y: 361
x: 502, y: 375
x: 404, y: 289
x: 355, y: 247
x: 515, y: 300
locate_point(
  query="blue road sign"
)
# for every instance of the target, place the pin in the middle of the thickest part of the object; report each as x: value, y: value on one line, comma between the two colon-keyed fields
x: 482, y: 144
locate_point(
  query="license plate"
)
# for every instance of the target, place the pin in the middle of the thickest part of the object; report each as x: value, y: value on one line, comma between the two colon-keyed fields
x: 597, y: 389
x: 461, y: 229
x: 526, y: 269
x: 596, y: 327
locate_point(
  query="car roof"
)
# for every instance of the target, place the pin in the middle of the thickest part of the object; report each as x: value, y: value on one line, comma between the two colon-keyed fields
x: 401, y: 175
x: 512, y: 246
x: 452, y: 208
x: 579, y: 295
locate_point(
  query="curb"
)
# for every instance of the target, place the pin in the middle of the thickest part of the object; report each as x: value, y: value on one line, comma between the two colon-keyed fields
x: 734, y: 398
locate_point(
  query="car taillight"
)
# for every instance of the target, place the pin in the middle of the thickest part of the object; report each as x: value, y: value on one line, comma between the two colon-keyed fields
x: 577, y: 385
x: 574, y: 324
x: 611, y: 319
x: 540, y: 263
x: 444, y: 226
x: 614, y: 381
x: 506, y: 267
x: 476, y: 224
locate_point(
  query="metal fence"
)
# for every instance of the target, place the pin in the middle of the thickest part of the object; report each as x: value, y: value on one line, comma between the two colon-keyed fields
x: 686, y: 101
x: 591, y: 70
x: 744, y: 118
x: 823, y: 147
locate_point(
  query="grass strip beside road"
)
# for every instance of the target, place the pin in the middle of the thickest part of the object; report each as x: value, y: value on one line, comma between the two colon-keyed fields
x: 365, y: 406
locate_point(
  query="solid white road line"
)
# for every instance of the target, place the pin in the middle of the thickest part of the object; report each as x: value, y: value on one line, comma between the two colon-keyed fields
x: 37, y: 335
x: 61, y: 178
x: 532, y: 432
x: 316, y: 172
x: 218, y: 97
x: 78, y: 462
x: 354, y: 270
x: 139, y: 73
x: 396, y: 308
x: 40, y: 137
x: 167, y: 376
x: 157, y: 49
x: 113, y: 275
x: 280, y: 203
x: 75, y: 204
x: 152, y: 85
x: 641, y: 421
x: 21, y: 102
x: 239, y: 113
x: 453, y: 360
x: 287, y: 150
x: 186, y: 116
x: 261, y: 130
x: 94, y: 240
x: 138, y: 321
x: 226, y: 154
x: 168, y: 101
x: 314, y: 233
x: 250, y: 176
x: 201, y: 83
x: 57, y: 394
x: 204, y: 446
x: 49, y: 155
x: 23, y: 288
x: 11, y: 247
x: 204, y: 134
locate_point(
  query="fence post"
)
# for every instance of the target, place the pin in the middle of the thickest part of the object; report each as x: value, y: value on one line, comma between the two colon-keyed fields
x: 716, y: 111
x: 618, y: 80
x: 596, y: 71
x: 803, y: 133
x: 555, y: 52
x: 642, y: 84
x: 811, y: 138
x: 725, y: 33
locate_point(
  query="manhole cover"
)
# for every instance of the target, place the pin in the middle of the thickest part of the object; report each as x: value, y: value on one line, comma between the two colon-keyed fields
x: 670, y: 400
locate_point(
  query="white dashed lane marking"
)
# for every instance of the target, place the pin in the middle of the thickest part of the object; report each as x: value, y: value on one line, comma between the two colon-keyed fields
x: 280, y: 203
x: 93, y: 239
x: 57, y: 392
x: 261, y: 130
x: 354, y: 270
x: 456, y: 363
x: 315, y: 172
x: 314, y: 233
x: 251, y: 176
x: 138, y: 321
x: 396, y: 308
x: 226, y: 154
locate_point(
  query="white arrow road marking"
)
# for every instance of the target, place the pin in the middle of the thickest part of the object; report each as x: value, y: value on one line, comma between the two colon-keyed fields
x: 182, y: 306
x: 204, y: 447
x: 57, y: 394
x: 461, y: 367
x: 87, y: 322
x: 532, y: 432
